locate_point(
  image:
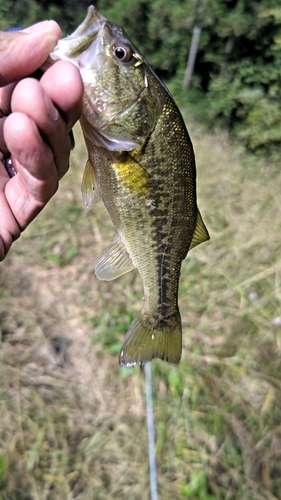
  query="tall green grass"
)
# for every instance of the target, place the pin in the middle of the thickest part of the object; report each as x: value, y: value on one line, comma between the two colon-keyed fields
x: 73, y: 424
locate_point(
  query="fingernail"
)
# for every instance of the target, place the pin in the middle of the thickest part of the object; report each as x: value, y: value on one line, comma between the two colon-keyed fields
x: 36, y: 27
x: 51, y: 110
x: 53, y: 113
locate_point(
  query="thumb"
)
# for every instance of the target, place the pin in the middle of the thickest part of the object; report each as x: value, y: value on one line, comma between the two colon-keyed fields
x: 22, y: 53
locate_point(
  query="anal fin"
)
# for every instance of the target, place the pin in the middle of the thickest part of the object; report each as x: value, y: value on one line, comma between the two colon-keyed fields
x: 114, y: 262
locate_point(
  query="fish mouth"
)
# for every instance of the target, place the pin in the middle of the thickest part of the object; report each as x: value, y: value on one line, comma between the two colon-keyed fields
x: 76, y: 43
x: 92, y: 22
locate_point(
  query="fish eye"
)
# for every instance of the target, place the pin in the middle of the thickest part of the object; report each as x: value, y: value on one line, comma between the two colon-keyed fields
x: 124, y: 54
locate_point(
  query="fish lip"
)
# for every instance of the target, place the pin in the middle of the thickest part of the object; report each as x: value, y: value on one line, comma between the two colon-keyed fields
x: 83, y: 36
x: 92, y: 22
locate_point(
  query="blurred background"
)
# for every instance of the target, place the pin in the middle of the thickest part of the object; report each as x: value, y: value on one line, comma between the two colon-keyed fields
x: 72, y: 423
x: 236, y: 80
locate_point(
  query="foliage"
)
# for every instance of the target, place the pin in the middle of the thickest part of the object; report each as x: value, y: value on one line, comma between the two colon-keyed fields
x: 196, y: 489
x: 26, y: 12
x: 3, y: 468
x: 238, y: 66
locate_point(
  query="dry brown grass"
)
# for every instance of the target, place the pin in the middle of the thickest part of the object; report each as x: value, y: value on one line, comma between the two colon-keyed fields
x: 73, y: 425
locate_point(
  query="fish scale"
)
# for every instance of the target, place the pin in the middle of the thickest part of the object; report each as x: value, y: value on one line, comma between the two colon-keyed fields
x: 141, y: 163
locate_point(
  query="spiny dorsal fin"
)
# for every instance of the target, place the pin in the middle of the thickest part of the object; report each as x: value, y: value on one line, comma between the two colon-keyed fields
x: 114, y: 262
x: 200, y: 234
x: 90, y: 189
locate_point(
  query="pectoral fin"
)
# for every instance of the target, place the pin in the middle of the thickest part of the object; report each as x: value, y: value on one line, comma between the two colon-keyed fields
x: 114, y: 262
x: 200, y: 234
x: 89, y: 187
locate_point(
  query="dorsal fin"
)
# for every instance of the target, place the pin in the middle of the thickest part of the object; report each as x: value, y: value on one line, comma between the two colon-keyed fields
x: 200, y: 234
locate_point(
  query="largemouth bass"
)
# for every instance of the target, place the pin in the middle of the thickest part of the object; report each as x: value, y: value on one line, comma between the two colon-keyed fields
x: 141, y: 163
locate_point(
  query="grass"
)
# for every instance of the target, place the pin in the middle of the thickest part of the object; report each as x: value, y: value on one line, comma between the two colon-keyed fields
x: 73, y: 424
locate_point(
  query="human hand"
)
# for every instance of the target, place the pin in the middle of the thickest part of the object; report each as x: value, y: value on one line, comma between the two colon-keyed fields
x: 35, y: 118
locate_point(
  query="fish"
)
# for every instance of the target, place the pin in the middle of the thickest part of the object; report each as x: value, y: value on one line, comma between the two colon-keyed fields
x: 141, y: 164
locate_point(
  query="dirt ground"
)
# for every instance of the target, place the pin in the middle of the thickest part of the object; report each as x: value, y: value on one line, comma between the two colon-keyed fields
x: 73, y: 424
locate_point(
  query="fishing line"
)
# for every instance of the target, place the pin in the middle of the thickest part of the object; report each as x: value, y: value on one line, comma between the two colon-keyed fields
x: 150, y: 429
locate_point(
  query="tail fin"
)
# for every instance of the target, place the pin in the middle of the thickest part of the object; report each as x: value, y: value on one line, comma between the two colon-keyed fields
x: 145, y: 341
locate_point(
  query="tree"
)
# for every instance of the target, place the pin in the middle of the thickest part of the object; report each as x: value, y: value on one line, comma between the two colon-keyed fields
x: 239, y: 67
x: 68, y: 13
x: 238, y: 64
